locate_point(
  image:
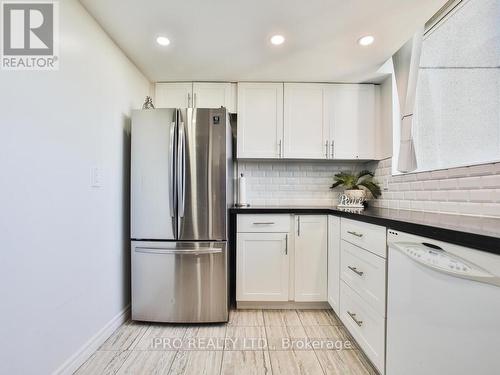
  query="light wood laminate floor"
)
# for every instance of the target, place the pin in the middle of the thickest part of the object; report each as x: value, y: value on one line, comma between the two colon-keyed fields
x: 277, y: 342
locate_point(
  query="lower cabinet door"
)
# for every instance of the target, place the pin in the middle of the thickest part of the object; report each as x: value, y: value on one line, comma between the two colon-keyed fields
x: 334, y: 262
x: 311, y: 258
x: 262, y: 267
x: 365, y: 324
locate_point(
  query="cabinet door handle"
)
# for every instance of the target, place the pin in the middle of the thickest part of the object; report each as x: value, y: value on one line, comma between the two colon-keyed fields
x: 355, y: 270
x: 264, y: 223
x: 280, y: 149
x: 326, y: 149
x: 359, y: 235
x: 298, y: 226
x: 189, y: 100
x: 331, y: 149
x: 286, y: 244
x: 353, y: 317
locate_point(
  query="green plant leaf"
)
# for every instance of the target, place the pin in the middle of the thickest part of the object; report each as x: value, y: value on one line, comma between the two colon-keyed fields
x: 372, y: 187
x: 364, y: 173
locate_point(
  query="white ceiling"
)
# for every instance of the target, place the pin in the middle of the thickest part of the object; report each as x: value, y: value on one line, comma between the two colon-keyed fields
x: 228, y: 40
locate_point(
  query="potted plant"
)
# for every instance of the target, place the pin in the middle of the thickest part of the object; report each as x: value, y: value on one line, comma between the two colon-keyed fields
x: 354, y: 183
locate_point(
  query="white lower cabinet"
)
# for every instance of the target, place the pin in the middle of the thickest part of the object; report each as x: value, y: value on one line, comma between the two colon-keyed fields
x: 277, y: 261
x: 311, y: 258
x: 364, y: 272
x: 365, y: 324
x: 317, y: 258
x: 262, y: 267
x: 334, y: 262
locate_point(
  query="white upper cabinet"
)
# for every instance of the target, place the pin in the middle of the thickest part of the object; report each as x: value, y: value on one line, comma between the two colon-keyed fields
x: 306, y: 133
x: 196, y: 95
x: 260, y: 120
x: 309, y: 121
x: 174, y: 95
x: 352, y: 121
x: 311, y: 258
x: 213, y: 95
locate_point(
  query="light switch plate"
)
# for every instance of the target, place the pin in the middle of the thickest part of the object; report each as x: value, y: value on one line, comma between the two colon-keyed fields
x: 95, y: 177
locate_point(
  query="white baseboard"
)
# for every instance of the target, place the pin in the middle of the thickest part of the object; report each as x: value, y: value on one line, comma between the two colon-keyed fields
x: 281, y: 305
x: 84, y: 353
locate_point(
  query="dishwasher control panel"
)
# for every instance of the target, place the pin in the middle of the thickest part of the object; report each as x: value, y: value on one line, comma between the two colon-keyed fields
x: 437, y: 258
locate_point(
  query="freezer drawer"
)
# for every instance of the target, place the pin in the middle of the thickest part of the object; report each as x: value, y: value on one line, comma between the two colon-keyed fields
x: 179, y: 282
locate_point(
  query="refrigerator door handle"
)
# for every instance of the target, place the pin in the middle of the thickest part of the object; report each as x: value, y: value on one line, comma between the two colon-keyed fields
x: 171, y: 171
x: 164, y: 250
x: 181, y: 172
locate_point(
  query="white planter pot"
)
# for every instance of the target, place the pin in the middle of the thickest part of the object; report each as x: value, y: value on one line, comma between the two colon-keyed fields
x: 359, y: 195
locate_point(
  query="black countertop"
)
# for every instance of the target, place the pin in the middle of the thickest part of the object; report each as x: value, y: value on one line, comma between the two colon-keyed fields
x: 476, y: 232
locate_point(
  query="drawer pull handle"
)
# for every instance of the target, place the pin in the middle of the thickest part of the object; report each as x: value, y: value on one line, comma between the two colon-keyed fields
x: 264, y: 223
x: 353, y: 317
x: 355, y: 270
x: 355, y: 233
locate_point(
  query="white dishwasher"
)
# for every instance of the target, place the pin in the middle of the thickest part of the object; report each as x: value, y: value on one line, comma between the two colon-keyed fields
x: 443, y: 308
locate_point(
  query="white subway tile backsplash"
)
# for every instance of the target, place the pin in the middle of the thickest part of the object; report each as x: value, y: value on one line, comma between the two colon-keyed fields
x: 458, y: 195
x: 490, y: 181
x: 439, y: 175
x: 448, y: 184
x: 292, y: 183
x: 473, y: 190
x: 483, y: 195
x: 417, y: 185
x: 410, y: 195
x: 430, y: 185
x: 469, y: 183
x: 458, y: 172
x: 480, y: 170
x: 439, y: 195
x: 423, y: 195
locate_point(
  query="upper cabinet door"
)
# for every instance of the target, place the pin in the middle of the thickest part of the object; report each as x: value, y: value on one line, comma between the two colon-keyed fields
x: 174, y: 95
x: 306, y: 134
x: 260, y: 120
x: 351, y: 117
x: 213, y: 95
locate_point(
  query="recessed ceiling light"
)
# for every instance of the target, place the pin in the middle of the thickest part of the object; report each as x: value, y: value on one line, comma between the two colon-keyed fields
x: 366, y: 40
x: 163, y: 41
x: 277, y: 39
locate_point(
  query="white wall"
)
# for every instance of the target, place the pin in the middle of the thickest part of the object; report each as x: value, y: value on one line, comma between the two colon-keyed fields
x: 64, y: 253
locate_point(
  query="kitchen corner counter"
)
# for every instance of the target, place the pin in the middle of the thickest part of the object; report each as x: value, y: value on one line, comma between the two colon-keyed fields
x: 482, y: 233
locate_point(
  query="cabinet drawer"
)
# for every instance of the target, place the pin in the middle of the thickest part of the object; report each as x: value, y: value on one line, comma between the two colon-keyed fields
x: 364, y: 324
x: 365, y: 273
x: 368, y: 236
x: 263, y: 223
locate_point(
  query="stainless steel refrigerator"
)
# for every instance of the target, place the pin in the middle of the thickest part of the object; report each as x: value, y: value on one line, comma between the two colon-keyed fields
x: 181, y: 189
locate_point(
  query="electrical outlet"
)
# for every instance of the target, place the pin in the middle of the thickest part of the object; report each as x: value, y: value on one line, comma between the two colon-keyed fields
x: 385, y: 184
